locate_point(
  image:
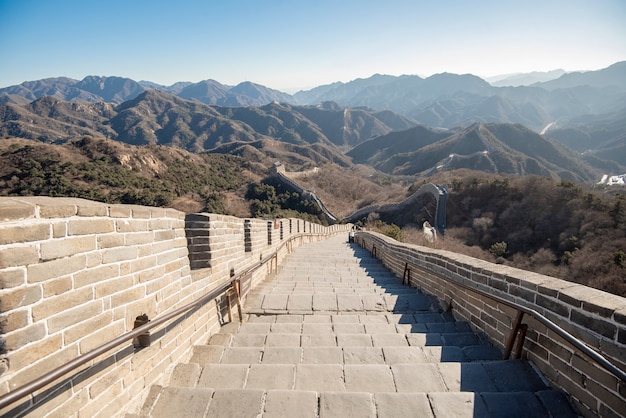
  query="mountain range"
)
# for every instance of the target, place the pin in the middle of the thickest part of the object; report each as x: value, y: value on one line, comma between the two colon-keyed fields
x: 303, y: 136
x: 443, y: 100
x: 383, y: 121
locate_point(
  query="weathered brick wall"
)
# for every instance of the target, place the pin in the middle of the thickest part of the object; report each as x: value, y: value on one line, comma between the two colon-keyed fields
x: 597, y: 318
x: 74, y: 274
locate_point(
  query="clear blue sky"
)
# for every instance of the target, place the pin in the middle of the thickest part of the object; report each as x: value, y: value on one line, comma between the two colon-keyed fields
x: 293, y: 44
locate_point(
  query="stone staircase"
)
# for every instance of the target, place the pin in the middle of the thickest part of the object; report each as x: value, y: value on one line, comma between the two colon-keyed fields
x: 334, y: 334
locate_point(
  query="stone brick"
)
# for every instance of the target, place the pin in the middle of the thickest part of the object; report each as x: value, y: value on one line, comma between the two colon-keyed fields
x: 54, y: 287
x: 127, y: 296
x: 44, y: 271
x: 102, y: 336
x: 96, y: 275
x: 131, y: 225
x: 53, y: 249
x: 16, y: 319
x: 90, y: 226
x: 94, y: 324
x: 150, y: 274
x: 600, y: 326
x: 164, y: 235
x: 18, y: 256
x: 523, y: 293
x: 15, y: 340
x: 553, y: 305
x: 72, y: 405
x: 12, y: 278
x: 111, y: 240
x: 610, y: 398
x: 142, y: 212
x: 74, y: 316
x: 93, y: 408
x: 138, y: 238
x: 111, y: 286
x: 57, y: 209
x: 53, y: 305
x: 92, y: 209
x: 14, y: 210
x: 119, y: 211
x: 18, y: 297
x: 24, y: 233
x: 59, y: 229
x: 26, y: 356
x: 592, y: 371
x: 115, y: 255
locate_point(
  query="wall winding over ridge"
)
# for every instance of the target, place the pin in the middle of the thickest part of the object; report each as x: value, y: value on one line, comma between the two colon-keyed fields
x: 595, y: 317
x: 75, y: 273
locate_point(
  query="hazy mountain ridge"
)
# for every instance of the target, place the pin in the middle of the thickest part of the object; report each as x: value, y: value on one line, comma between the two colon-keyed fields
x: 524, y: 79
x: 445, y: 99
x: 450, y: 100
x: 158, y: 118
x: 119, y: 89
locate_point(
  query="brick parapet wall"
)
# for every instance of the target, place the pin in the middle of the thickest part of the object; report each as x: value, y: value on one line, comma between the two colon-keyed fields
x: 595, y: 317
x: 75, y: 273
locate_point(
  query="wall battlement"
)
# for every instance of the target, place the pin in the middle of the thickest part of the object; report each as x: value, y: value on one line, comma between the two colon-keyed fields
x: 75, y: 274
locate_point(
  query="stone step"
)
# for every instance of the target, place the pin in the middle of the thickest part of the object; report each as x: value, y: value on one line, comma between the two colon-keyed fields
x: 175, y: 401
x: 339, y: 302
x: 493, y: 376
x: 335, y: 334
x: 224, y: 354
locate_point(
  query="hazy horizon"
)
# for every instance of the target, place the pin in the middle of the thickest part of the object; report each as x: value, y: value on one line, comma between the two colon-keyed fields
x: 296, y: 45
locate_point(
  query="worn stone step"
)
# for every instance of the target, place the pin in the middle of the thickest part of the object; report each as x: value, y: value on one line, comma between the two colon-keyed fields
x: 214, y: 354
x: 272, y: 403
x: 367, y: 374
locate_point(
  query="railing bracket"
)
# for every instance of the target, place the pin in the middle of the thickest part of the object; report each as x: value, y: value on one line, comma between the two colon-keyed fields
x: 142, y: 340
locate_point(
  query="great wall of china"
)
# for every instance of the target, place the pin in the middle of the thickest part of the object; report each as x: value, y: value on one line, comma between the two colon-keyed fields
x: 76, y: 274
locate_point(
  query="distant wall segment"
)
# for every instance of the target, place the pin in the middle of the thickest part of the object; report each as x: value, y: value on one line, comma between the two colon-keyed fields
x: 75, y: 274
x: 595, y: 317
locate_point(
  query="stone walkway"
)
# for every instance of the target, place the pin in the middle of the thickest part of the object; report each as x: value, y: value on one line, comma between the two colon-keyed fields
x: 335, y: 334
